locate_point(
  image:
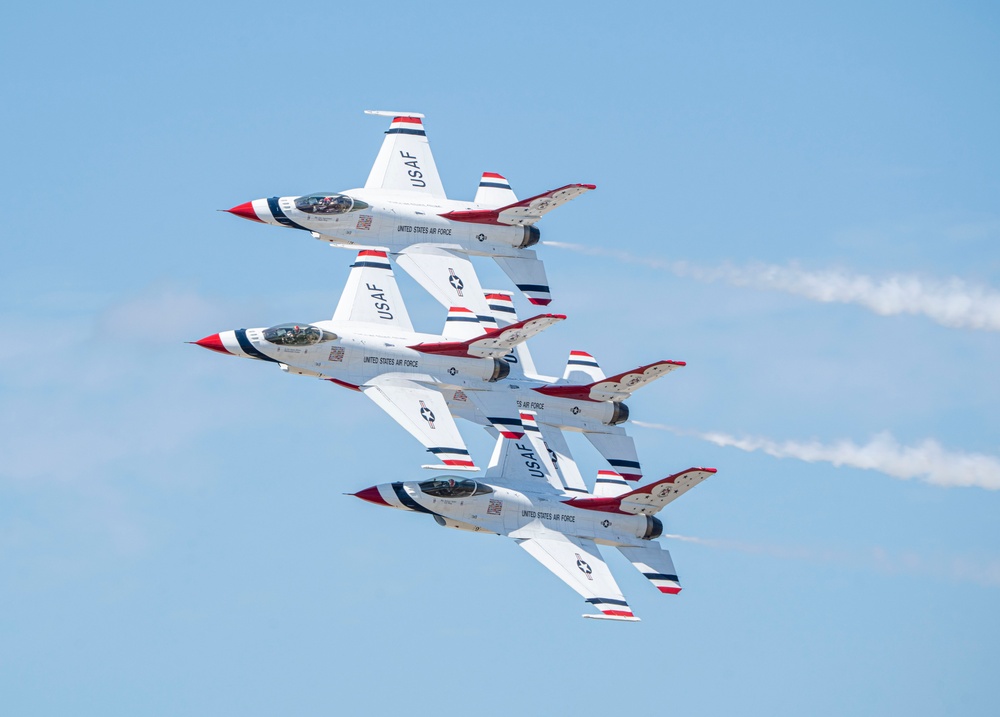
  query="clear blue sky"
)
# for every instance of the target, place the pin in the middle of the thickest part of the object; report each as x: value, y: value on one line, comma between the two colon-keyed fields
x: 174, y: 538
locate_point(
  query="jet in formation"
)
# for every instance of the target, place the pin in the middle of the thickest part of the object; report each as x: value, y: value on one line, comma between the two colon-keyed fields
x: 478, y: 368
x: 423, y: 380
x: 525, y: 495
x: 403, y: 208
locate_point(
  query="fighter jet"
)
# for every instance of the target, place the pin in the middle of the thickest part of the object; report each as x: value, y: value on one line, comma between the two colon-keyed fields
x: 403, y: 209
x: 370, y: 346
x: 524, y: 497
x: 423, y: 381
x: 583, y: 400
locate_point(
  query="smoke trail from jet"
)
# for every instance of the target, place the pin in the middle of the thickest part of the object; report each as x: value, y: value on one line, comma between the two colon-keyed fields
x: 957, y: 568
x: 952, y: 302
x: 926, y: 461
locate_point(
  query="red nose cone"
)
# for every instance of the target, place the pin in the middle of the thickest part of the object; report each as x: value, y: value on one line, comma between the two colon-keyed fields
x: 371, y: 495
x: 246, y: 211
x: 213, y: 342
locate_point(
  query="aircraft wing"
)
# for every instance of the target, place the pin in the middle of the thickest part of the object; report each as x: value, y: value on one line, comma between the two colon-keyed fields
x: 371, y: 294
x: 578, y: 563
x: 405, y: 162
x: 424, y: 413
x: 448, y: 276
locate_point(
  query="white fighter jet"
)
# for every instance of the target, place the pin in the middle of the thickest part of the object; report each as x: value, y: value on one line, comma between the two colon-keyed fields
x: 583, y: 400
x: 403, y: 208
x: 370, y: 346
x: 524, y: 496
x: 422, y: 381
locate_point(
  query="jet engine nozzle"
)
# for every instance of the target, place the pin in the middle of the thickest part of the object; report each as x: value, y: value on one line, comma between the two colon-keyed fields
x: 501, y: 370
x: 654, y: 528
x: 620, y: 414
x: 531, y: 236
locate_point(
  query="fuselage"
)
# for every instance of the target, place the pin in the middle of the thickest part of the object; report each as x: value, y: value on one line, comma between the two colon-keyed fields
x: 515, y: 511
x: 379, y: 218
x: 352, y: 356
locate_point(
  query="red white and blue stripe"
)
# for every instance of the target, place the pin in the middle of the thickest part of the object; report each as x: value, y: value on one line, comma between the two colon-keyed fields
x: 407, y: 125
x: 373, y: 259
x: 494, y: 181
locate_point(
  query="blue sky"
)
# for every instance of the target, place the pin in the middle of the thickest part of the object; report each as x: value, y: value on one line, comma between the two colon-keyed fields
x: 800, y: 202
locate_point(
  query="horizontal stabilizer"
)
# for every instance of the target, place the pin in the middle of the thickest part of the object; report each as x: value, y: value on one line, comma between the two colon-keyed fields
x: 495, y: 343
x: 618, y: 449
x: 528, y: 274
x: 615, y: 388
x: 500, y: 410
x: 655, y: 564
x: 527, y: 211
x: 650, y: 498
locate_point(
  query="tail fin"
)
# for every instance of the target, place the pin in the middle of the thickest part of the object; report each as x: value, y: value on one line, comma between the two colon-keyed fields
x: 615, y: 388
x: 494, y: 191
x: 582, y: 367
x: 404, y: 148
x: 609, y: 485
x: 656, y: 566
x: 562, y: 459
x: 462, y: 324
x: 495, y: 343
x: 501, y: 305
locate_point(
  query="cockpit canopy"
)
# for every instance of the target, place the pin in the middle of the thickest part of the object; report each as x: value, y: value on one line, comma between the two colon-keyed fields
x: 446, y: 487
x: 323, y: 203
x: 297, y: 335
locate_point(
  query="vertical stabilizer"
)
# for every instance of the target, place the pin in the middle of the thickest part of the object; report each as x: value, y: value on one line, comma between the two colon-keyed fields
x: 501, y: 306
x: 609, y: 484
x: 462, y: 324
x: 581, y: 367
x: 494, y: 191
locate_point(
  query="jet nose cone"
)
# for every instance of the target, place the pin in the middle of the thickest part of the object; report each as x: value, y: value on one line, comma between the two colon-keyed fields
x: 246, y: 211
x: 213, y: 343
x: 372, y: 495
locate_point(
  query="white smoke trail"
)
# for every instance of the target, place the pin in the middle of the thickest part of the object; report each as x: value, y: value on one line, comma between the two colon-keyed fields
x: 952, y: 302
x: 927, y: 461
x: 957, y: 568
